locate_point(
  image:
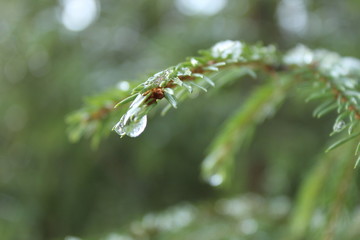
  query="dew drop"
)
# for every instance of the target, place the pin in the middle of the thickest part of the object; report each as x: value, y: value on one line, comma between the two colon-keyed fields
x: 134, y: 129
x: 339, y: 126
x: 119, y: 127
x: 130, y: 127
x: 216, y: 180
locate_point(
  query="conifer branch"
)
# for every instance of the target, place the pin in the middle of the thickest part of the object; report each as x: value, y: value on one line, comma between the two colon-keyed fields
x: 333, y: 80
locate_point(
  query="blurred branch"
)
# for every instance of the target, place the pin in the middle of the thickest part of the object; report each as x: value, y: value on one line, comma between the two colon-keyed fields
x: 238, y: 128
x: 341, y: 195
x: 319, y: 186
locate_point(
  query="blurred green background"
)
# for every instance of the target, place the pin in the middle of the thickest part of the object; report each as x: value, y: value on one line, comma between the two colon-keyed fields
x: 54, y: 53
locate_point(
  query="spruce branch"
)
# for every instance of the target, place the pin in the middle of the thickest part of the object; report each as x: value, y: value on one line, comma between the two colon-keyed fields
x: 333, y: 80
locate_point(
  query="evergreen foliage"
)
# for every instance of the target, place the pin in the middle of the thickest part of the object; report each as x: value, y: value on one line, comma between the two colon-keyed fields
x: 240, y: 158
x: 324, y: 76
x: 316, y: 75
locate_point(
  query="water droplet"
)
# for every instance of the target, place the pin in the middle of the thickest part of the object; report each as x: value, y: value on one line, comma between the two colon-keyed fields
x: 119, y: 127
x: 136, y: 128
x: 130, y: 127
x: 226, y: 49
x: 216, y: 180
x: 339, y: 126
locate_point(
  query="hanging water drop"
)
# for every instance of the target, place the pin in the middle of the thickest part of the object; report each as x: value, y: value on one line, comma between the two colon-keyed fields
x: 339, y: 126
x: 216, y: 180
x: 135, y: 128
x: 119, y: 127
x: 130, y: 127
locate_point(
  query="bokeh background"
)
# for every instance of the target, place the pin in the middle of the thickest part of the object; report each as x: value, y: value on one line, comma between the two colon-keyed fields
x: 54, y: 53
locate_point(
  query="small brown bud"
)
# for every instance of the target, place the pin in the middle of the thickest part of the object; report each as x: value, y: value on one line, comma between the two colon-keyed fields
x: 157, y: 93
